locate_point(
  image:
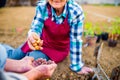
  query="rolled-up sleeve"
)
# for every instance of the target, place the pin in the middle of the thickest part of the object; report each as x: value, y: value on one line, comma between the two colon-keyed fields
x: 38, y: 22
x: 76, y: 43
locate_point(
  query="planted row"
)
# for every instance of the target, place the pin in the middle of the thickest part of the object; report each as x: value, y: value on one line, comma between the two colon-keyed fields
x: 109, y: 33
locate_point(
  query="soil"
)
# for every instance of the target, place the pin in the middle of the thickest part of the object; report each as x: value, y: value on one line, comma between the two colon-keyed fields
x: 15, y: 22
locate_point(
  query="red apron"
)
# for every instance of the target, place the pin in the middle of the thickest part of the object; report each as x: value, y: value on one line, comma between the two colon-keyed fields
x: 56, y: 39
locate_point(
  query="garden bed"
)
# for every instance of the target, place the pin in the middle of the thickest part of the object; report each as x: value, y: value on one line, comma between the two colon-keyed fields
x: 13, y: 25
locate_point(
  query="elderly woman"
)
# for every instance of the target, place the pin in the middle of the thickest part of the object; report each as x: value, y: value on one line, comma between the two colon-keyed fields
x: 58, y: 26
x: 55, y: 32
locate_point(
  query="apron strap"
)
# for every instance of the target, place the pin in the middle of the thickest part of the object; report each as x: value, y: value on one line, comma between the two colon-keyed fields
x: 49, y: 11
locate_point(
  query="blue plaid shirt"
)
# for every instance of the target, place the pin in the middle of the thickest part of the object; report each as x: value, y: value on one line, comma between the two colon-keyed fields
x: 75, y: 20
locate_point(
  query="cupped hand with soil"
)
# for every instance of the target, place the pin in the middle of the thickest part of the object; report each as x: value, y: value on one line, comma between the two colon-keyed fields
x: 43, y: 69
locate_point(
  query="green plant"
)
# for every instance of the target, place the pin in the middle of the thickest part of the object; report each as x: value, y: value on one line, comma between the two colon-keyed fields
x: 116, y: 25
x: 88, y: 29
x: 114, y: 30
x: 97, y: 29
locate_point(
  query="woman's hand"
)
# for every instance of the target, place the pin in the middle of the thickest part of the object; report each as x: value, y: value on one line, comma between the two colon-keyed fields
x: 85, y: 70
x: 34, y: 41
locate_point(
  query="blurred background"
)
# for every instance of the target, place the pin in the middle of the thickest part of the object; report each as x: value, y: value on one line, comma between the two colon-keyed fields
x: 17, y: 3
x: 33, y: 2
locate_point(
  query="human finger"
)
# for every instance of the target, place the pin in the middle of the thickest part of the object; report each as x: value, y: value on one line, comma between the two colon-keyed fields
x: 30, y: 45
x: 31, y: 38
x: 50, y: 62
x: 35, y: 36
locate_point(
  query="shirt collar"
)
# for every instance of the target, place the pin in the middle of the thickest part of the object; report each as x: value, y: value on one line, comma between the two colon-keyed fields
x: 62, y: 15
